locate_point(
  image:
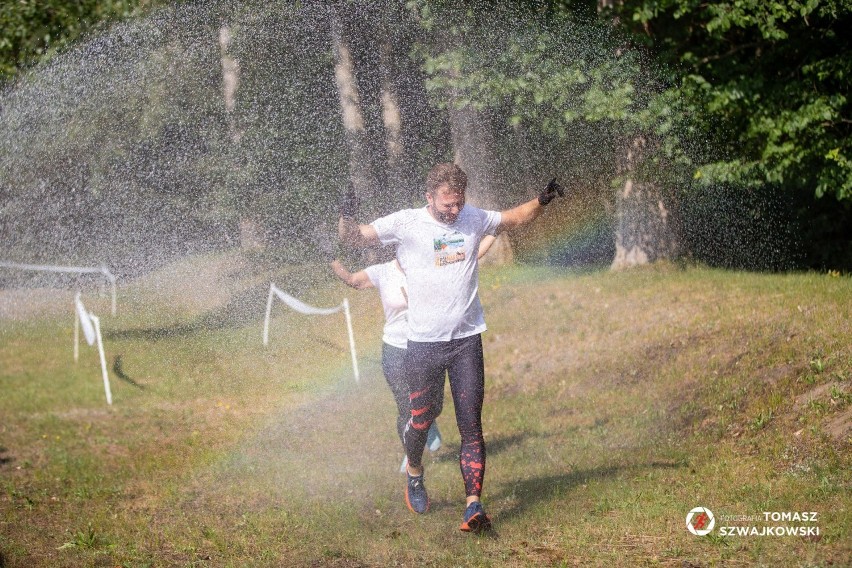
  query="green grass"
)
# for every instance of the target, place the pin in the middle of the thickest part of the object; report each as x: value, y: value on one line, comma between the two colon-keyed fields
x: 615, y: 403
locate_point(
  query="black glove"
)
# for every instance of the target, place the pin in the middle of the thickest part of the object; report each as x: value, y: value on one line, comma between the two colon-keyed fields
x: 349, y: 203
x: 550, y: 192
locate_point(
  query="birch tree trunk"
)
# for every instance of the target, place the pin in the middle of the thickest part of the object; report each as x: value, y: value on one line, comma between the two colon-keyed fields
x: 351, y: 113
x: 251, y: 230
x: 644, y: 230
x: 391, y: 119
x: 230, y: 80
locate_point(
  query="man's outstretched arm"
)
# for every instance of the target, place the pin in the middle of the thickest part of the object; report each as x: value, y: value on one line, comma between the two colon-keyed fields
x: 527, y: 212
x: 355, y: 235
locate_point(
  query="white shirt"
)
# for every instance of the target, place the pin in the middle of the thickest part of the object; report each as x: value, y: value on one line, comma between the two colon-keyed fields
x: 440, y: 264
x: 390, y: 282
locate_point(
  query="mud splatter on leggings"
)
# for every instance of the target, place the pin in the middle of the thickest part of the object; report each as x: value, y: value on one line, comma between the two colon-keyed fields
x: 425, y: 364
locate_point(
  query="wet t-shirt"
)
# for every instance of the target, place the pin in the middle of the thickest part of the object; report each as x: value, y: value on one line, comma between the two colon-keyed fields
x: 390, y: 282
x: 441, y: 269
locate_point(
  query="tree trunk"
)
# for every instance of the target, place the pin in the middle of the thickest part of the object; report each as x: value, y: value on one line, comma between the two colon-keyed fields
x: 644, y: 229
x: 350, y: 108
x: 361, y: 159
x: 473, y: 144
x: 391, y: 120
x: 251, y: 229
x: 230, y: 80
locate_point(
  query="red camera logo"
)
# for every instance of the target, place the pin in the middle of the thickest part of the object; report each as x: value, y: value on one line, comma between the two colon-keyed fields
x: 700, y: 521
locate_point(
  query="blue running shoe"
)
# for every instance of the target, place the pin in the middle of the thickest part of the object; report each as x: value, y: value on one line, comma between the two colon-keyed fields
x: 415, y: 494
x: 475, y: 519
x: 433, y: 440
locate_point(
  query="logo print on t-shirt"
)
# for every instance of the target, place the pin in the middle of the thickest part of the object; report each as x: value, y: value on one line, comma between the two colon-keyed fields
x: 449, y: 249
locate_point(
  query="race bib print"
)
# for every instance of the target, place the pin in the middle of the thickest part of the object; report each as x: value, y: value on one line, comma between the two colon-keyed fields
x: 449, y: 249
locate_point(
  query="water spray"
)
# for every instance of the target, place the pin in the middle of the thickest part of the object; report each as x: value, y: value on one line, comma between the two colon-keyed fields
x: 91, y: 325
x: 70, y: 269
x: 306, y: 309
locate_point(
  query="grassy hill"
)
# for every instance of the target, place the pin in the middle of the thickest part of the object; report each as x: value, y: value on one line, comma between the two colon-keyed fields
x: 615, y: 403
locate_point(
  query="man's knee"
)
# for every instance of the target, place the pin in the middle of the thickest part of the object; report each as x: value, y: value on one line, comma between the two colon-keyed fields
x: 422, y: 418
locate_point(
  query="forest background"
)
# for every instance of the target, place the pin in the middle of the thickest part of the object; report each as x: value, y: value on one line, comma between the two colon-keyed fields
x: 717, y: 132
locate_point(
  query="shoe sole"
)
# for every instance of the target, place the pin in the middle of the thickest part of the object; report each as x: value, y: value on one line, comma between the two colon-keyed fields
x: 476, y: 524
x: 412, y: 509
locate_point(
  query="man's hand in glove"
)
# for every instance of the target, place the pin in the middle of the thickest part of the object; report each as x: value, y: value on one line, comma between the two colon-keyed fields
x: 552, y: 190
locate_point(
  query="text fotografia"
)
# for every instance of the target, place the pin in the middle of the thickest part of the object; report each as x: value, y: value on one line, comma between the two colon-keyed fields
x: 758, y: 525
x: 796, y: 517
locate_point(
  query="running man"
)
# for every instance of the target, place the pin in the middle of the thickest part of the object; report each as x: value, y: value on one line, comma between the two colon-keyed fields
x: 389, y: 279
x: 445, y: 318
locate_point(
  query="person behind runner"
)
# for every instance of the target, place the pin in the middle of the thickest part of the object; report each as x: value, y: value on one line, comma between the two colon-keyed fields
x: 445, y: 317
x: 389, y: 280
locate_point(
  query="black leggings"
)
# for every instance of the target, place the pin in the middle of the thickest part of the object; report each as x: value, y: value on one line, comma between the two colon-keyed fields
x: 425, y: 364
x: 394, y: 369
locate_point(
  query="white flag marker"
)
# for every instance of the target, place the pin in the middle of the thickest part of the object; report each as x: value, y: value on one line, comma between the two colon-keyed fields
x: 74, y: 269
x: 91, y: 325
x: 306, y: 309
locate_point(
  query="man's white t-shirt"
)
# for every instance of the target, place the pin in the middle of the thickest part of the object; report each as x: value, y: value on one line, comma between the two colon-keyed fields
x: 441, y: 268
x: 390, y: 282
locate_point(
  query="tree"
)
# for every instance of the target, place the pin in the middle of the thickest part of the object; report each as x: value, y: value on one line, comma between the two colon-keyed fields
x: 771, y: 79
x: 766, y: 86
x: 561, y: 78
x: 103, y: 145
x: 36, y: 31
x: 360, y: 161
x: 644, y: 227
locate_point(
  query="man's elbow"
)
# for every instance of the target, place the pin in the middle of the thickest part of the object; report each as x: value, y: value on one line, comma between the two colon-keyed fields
x: 511, y: 220
x: 348, y: 231
x: 519, y: 218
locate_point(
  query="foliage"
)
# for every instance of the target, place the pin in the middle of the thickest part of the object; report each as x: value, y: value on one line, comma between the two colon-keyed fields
x: 540, y: 83
x: 766, y: 83
x: 33, y: 30
x: 119, y: 150
x: 128, y: 136
x: 771, y: 80
x: 747, y: 96
x: 578, y: 81
x: 739, y: 94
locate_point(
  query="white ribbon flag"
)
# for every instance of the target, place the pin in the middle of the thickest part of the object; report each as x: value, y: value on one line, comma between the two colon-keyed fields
x: 304, y: 308
x: 92, y: 331
x: 85, y: 322
x: 73, y: 269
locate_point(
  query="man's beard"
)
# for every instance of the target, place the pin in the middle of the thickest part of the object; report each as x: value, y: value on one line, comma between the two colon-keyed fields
x: 445, y: 218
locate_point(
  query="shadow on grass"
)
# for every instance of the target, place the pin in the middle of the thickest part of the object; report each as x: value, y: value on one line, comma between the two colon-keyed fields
x: 527, y: 493
x: 502, y: 443
x: 493, y: 446
x: 243, y: 309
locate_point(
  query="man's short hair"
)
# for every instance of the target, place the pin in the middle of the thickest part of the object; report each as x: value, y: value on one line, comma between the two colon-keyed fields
x: 446, y: 173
